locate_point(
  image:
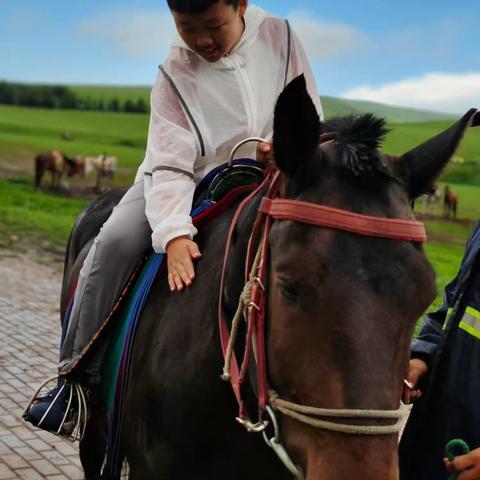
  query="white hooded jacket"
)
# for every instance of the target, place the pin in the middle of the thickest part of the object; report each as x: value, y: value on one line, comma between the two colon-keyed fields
x: 200, y: 110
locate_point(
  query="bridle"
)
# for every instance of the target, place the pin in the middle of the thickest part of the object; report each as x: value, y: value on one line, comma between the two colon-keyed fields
x: 251, y: 308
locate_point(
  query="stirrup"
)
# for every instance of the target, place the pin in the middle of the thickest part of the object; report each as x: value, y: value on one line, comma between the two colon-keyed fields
x: 74, y: 428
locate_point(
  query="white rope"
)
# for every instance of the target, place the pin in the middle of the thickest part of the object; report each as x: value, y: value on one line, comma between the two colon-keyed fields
x: 244, y: 303
x: 305, y: 414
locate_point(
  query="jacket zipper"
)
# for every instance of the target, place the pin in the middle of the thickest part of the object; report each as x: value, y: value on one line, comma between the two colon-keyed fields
x: 247, y: 94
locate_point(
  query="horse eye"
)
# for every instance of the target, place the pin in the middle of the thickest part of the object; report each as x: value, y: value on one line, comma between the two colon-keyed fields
x: 288, y: 292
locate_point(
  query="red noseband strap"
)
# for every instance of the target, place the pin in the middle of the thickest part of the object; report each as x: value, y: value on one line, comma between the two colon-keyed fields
x: 311, y: 213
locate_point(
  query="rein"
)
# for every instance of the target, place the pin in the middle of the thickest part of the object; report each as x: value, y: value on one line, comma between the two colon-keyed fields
x: 251, y: 309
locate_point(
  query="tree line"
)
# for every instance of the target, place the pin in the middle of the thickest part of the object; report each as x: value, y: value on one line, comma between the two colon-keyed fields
x: 61, y: 97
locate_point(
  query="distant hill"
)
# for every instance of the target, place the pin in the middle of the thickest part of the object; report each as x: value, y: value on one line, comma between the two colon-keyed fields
x: 136, y: 99
x: 333, y: 106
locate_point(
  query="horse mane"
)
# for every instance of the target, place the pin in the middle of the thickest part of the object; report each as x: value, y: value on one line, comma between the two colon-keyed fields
x: 357, y: 140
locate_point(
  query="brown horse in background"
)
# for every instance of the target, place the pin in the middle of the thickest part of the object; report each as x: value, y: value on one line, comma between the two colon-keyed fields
x: 450, y: 203
x: 54, y: 162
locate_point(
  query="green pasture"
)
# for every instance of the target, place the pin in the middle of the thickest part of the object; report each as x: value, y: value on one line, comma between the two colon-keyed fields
x: 466, y: 165
x: 35, y: 219
x: 447, y: 238
x: 24, y: 132
x: 44, y: 219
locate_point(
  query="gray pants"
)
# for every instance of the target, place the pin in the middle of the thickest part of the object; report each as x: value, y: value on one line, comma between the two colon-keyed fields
x: 122, y: 240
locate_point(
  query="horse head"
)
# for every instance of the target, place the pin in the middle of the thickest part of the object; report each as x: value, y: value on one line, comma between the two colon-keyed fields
x: 342, y: 306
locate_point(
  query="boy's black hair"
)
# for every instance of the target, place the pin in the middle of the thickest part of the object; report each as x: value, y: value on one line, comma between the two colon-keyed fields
x: 196, y: 6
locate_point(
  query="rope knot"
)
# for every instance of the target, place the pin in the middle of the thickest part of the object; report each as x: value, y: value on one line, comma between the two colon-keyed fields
x: 246, y: 295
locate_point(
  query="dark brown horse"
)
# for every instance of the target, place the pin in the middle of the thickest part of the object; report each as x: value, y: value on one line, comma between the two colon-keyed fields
x: 54, y: 162
x: 341, y: 312
x: 450, y: 203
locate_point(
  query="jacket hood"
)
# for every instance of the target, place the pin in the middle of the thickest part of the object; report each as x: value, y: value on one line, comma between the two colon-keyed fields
x: 254, y: 17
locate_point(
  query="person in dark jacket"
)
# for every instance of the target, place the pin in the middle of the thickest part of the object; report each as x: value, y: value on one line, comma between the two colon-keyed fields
x: 445, y: 364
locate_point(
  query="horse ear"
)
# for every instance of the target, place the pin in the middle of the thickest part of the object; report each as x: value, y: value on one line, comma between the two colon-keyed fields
x: 424, y: 163
x: 296, y: 127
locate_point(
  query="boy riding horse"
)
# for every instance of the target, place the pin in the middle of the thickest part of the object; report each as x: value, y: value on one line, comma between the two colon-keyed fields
x: 218, y: 85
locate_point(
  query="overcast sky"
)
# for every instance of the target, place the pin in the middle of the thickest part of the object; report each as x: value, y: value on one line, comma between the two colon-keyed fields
x: 423, y: 54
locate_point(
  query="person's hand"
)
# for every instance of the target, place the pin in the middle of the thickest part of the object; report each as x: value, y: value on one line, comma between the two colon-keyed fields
x: 469, y: 462
x: 180, y: 252
x: 416, y: 370
x: 265, y: 153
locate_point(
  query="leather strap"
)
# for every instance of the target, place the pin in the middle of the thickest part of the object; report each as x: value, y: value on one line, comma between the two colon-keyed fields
x: 321, y: 215
x: 236, y: 377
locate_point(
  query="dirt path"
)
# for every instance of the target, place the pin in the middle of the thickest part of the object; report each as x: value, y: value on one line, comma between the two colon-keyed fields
x: 29, y: 337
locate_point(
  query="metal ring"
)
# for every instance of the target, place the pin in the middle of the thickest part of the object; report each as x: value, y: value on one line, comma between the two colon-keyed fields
x: 275, y: 443
x: 256, y: 427
x: 240, y: 144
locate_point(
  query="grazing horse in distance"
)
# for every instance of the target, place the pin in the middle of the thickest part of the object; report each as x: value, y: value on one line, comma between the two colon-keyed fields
x: 55, y: 162
x: 104, y: 166
x: 340, y: 312
x: 450, y: 203
x: 431, y: 200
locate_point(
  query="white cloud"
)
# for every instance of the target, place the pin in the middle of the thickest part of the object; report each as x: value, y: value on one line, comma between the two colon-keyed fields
x: 446, y: 92
x: 134, y: 34
x: 324, y: 40
x: 139, y: 34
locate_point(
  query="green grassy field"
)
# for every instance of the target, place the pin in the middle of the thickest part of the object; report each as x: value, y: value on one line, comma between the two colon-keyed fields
x: 24, y: 132
x: 30, y: 219
x: 447, y: 238
x: 27, y: 131
x: 403, y: 137
x: 45, y: 219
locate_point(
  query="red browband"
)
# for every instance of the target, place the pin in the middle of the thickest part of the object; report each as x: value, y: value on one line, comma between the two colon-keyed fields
x: 321, y: 215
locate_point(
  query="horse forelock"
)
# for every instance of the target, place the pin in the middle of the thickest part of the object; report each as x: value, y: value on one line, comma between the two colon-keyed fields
x: 356, y: 144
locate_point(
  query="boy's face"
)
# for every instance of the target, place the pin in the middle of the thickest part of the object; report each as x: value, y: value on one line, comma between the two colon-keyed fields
x: 214, y: 32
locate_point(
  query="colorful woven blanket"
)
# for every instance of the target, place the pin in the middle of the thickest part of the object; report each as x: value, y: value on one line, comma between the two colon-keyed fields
x: 214, y: 195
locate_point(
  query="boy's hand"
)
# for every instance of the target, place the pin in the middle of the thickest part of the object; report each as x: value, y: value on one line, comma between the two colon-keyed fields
x: 416, y: 370
x: 265, y: 153
x: 180, y: 252
x: 469, y: 464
